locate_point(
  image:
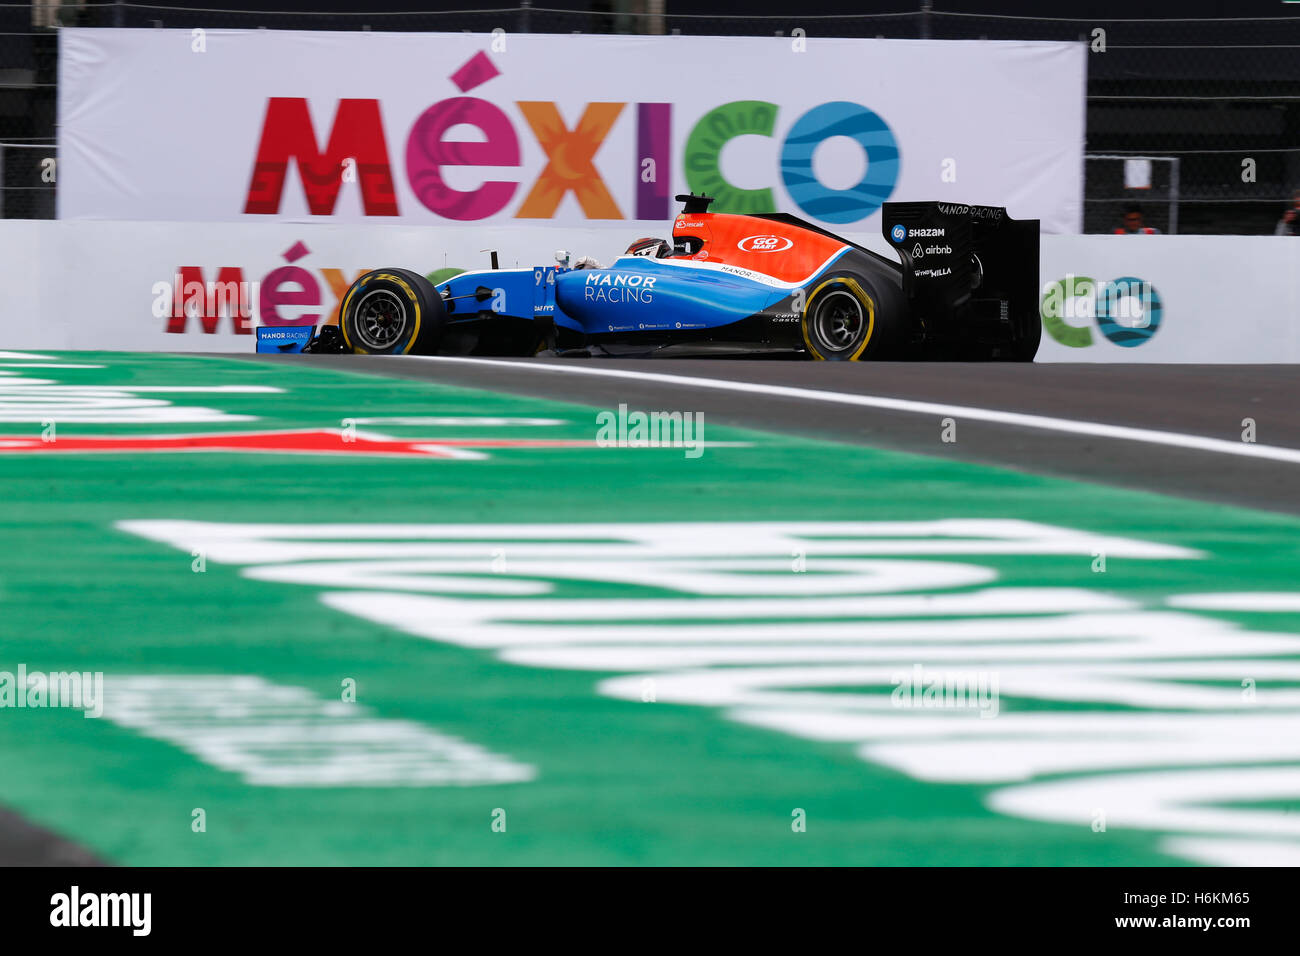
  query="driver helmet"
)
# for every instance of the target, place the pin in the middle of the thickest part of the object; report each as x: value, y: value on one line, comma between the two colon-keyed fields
x: 650, y: 248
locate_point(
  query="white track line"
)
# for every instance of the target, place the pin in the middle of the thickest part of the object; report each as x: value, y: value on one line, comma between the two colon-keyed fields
x: 1283, y: 602
x: 1020, y: 419
x: 216, y: 389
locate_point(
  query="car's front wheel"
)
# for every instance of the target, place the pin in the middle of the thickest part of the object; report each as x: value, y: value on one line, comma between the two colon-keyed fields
x: 392, y: 312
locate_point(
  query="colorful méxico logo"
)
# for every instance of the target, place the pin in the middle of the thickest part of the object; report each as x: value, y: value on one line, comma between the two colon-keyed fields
x: 1127, y: 310
x: 357, y: 150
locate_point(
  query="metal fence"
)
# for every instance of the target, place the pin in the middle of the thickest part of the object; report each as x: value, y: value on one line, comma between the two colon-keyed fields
x: 1220, y: 96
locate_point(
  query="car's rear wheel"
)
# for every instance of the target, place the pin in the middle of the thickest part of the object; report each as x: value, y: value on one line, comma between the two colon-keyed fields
x: 847, y: 319
x: 392, y: 312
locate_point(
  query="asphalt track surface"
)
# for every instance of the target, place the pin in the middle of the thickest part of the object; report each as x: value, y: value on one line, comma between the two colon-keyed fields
x: 1208, y: 401
x: 25, y: 844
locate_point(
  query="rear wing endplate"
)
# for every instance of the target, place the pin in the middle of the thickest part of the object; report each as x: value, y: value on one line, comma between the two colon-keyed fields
x: 959, y: 258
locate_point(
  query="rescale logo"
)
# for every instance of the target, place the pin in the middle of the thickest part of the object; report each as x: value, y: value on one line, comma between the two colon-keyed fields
x: 764, y: 244
x: 1127, y: 310
x: 357, y: 150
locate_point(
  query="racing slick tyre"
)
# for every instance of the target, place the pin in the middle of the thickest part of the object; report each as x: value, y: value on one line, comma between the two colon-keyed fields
x: 392, y: 312
x: 850, y: 318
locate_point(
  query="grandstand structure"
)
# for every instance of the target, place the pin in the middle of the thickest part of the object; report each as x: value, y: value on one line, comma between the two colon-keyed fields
x: 1215, y: 97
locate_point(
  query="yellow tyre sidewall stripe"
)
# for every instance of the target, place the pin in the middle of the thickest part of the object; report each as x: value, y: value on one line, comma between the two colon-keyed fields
x: 852, y: 285
x: 396, y: 280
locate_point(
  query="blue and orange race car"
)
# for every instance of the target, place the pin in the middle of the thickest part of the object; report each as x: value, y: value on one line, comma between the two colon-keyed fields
x: 965, y: 288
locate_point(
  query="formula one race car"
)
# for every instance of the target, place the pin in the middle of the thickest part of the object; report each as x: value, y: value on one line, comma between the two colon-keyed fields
x: 966, y: 288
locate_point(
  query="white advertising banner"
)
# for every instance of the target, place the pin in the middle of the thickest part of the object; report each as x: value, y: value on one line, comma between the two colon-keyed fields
x: 160, y: 286
x: 156, y: 286
x: 599, y: 131
x: 1211, y: 299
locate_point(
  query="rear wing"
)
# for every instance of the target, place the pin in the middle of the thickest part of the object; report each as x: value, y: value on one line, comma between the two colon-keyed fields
x: 965, y: 264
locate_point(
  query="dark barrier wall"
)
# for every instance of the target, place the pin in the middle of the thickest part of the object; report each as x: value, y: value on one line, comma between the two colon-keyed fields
x: 1134, y: 9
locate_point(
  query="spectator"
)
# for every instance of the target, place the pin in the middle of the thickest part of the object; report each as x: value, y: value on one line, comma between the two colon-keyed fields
x: 1289, y: 224
x: 1133, y: 223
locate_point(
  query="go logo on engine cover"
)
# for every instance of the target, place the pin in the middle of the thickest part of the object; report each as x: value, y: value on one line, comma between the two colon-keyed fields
x: 764, y: 244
